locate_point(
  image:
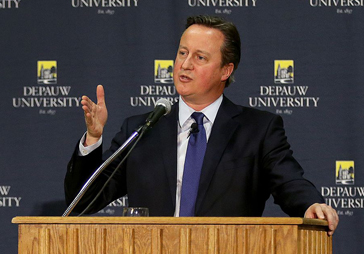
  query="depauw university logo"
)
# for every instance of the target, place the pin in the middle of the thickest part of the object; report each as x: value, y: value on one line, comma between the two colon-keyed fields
x: 163, y: 71
x: 345, y: 172
x: 47, y: 72
x: 283, y: 71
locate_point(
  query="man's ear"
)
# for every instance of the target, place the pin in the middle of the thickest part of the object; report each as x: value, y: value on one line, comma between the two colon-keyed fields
x: 227, y: 70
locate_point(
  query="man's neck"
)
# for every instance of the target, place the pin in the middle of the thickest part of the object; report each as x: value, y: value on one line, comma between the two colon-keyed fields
x: 198, y: 106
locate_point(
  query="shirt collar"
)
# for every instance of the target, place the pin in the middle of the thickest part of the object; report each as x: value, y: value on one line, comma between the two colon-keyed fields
x: 210, y: 111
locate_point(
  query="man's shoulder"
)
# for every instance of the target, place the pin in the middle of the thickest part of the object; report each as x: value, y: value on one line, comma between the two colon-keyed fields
x: 244, y: 111
x: 132, y: 122
x: 137, y: 117
x: 257, y: 112
x: 135, y: 121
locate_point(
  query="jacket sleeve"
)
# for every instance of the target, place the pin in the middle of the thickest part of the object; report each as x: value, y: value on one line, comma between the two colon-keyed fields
x: 80, y: 169
x: 289, y: 188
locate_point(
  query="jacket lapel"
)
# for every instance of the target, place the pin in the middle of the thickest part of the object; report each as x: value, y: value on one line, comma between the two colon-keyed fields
x: 168, y: 140
x: 222, y: 130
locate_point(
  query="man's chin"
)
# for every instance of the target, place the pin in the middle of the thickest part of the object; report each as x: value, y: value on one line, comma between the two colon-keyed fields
x: 182, y: 89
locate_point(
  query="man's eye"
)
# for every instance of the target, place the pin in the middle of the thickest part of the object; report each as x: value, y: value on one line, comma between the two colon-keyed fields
x: 201, y: 58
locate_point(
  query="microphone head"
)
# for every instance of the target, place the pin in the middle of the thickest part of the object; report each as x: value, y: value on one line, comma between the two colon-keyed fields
x: 194, y: 128
x: 164, y: 103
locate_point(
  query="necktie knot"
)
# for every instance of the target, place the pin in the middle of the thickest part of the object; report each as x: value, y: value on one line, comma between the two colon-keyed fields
x: 198, y: 116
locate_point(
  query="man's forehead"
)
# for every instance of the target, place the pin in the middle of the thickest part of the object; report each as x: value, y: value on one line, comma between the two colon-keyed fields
x: 202, y: 39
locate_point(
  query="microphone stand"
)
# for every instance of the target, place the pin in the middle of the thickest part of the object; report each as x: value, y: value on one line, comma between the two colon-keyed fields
x: 98, y: 171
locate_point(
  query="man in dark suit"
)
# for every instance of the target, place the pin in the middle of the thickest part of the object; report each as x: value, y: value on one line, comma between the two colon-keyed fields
x: 247, y: 156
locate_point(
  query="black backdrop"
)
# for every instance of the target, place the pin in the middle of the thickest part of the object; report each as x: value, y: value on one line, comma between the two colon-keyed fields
x: 53, y: 52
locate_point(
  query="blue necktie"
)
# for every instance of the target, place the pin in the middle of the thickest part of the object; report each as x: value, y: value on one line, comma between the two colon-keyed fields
x: 193, y: 164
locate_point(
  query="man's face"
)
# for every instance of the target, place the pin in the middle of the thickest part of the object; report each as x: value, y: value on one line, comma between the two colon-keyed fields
x: 198, y: 75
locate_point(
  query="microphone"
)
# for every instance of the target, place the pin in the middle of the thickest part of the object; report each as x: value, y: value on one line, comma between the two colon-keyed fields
x: 194, y: 128
x: 162, y: 107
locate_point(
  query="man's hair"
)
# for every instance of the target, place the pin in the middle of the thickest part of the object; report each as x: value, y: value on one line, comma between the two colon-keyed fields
x: 231, y: 47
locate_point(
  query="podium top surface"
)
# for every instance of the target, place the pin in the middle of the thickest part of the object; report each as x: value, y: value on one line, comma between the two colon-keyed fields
x: 170, y: 220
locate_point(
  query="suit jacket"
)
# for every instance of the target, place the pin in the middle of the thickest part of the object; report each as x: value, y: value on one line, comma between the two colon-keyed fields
x: 247, y: 159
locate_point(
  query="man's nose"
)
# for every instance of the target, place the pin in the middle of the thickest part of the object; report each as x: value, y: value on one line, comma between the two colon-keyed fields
x: 187, y: 63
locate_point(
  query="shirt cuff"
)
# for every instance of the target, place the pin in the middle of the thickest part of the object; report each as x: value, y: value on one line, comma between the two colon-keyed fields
x: 85, y: 150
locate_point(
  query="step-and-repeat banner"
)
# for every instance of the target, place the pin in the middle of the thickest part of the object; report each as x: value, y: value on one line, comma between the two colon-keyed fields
x: 301, y: 59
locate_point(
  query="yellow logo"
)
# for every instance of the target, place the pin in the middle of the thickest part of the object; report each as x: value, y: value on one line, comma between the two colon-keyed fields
x: 47, y: 72
x: 345, y: 172
x: 283, y: 71
x: 163, y: 71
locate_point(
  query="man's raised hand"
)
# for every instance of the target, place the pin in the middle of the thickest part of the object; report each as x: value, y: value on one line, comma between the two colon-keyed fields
x: 95, y: 116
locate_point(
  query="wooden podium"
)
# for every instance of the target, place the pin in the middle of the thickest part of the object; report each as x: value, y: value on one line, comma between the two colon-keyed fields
x: 195, y: 235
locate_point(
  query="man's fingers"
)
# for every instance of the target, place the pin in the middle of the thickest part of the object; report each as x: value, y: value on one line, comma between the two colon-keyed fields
x: 100, y: 93
x: 319, y: 212
x: 331, y: 216
x: 86, y: 102
x: 323, y: 211
x: 95, y: 114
